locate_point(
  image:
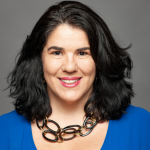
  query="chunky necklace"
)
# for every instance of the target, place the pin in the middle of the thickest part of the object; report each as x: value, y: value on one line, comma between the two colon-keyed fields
x: 89, y: 123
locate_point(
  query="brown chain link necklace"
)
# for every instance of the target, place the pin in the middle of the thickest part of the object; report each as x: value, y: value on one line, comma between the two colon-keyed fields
x: 89, y: 123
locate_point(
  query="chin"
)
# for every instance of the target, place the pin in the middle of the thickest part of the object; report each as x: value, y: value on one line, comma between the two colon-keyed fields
x: 71, y: 98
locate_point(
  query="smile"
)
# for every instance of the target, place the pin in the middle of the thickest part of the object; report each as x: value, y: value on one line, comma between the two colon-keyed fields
x: 70, y: 81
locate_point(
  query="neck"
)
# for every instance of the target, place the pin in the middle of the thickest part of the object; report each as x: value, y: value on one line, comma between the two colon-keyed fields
x: 67, y: 113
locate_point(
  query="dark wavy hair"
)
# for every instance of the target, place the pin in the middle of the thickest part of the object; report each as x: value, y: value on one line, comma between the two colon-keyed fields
x: 111, y: 93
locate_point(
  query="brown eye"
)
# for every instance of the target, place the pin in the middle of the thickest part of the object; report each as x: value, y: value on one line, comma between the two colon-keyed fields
x: 57, y: 53
x: 82, y: 53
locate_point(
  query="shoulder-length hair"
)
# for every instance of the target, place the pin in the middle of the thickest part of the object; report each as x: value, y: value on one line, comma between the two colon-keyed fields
x: 111, y: 93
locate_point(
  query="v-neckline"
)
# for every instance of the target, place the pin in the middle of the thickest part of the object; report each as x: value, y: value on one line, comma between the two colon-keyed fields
x: 107, y: 135
x: 103, y: 145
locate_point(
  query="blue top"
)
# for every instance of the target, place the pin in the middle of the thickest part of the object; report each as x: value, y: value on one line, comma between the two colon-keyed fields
x: 131, y: 132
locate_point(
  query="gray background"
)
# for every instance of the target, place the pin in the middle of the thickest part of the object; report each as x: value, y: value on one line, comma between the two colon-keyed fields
x: 127, y: 19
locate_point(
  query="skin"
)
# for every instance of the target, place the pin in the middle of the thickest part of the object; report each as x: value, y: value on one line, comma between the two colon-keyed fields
x: 68, y: 103
x: 69, y: 61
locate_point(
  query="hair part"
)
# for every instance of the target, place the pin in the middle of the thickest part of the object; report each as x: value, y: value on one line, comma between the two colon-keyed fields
x: 111, y: 93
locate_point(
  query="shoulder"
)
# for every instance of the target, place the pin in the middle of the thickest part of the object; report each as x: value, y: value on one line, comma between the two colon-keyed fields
x: 12, y: 118
x: 137, y: 119
x: 133, y: 115
x: 136, y: 114
x: 13, y: 122
x: 12, y: 127
x: 132, y: 129
x: 137, y: 110
x: 10, y: 115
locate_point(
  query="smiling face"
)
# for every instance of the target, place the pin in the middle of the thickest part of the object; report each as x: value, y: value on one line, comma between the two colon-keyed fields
x: 69, y: 69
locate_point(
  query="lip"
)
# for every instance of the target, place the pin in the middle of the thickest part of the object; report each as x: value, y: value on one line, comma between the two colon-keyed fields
x: 70, y: 78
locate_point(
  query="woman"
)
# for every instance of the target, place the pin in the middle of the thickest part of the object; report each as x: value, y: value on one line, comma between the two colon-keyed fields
x: 70, y: 89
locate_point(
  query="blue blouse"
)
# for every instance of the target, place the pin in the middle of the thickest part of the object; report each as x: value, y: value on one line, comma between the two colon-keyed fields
x: 130, y: 132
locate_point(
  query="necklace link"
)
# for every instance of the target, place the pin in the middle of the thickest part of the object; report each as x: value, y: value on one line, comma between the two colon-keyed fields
x: 61, y: 132
x: 42, y: 130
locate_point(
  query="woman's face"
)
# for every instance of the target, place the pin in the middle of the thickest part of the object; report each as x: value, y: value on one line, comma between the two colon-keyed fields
x: 69, y: 69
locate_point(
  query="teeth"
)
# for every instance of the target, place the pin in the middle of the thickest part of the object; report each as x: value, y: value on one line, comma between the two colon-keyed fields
x: 69, y: 81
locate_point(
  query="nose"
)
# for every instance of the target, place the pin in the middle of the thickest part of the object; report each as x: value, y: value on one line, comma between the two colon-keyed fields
x: 70, y: 64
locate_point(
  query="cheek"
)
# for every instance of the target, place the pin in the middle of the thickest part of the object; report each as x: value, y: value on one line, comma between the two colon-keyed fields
x: 88, y: 67
x: 51, y: 67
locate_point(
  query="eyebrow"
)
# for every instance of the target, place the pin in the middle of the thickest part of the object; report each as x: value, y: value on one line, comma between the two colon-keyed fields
x: 60, y: 48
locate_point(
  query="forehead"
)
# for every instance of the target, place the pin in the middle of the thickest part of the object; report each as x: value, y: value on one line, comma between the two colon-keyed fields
x: 67, y: 36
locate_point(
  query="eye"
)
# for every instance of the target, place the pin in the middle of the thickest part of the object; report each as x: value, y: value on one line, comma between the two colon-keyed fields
x: 57, y: 53
x: 82, y: 53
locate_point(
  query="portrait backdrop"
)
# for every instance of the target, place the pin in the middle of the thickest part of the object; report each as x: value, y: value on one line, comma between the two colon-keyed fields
x: 128, y: 21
